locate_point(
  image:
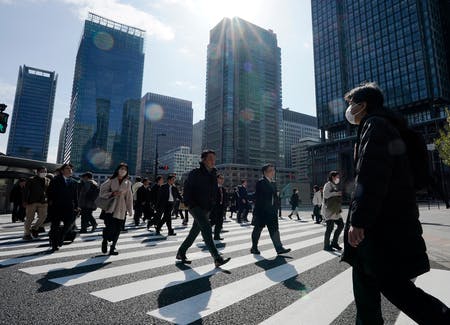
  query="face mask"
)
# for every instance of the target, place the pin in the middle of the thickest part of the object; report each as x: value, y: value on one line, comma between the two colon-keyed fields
x: 337, y: 181
x: 350, y: 116
x: 42, y: 175
x: 122, y: 173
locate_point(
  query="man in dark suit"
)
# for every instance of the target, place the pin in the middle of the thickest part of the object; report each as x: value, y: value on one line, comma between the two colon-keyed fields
x: 242, y: 202
x: 168, y: 193
x: 218, y: 211
x: 63, y: 201
x: 265, y: 212
x: 155, y: 218
x: 143, y: 201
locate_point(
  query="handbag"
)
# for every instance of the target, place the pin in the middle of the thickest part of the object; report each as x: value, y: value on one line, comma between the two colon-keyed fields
x: 104, y: 203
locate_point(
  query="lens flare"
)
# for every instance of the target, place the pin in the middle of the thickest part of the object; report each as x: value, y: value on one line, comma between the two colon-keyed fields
x: 99, y: 158
x: 247, y: 115
x: 103, y: 41
x: 248, y: 67
x: 154, y: 112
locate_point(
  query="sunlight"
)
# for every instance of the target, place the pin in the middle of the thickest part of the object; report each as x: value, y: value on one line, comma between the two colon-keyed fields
x: 215, y: 10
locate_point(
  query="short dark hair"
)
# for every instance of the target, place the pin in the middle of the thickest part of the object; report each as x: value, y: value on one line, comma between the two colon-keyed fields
x: 243, y: 181
x: 219, y: 175
x: 332, y: 174
x: 266, y: 167
x: 88, y: 175
x: 170, y: 176
x: 316, y: 187
x: 138, y: 178
x: 22, y: 180
x: 206, y: 152
x: 368, y: 92
x: 41, y: 168
x: 158, y: 178
x: 145, y: 180
x: 64, y: 166
x: 294, y: 190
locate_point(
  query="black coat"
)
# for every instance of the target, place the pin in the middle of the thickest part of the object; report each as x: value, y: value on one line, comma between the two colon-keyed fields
x: 16, y: 195
x: 265, y: 211
x: 384, y: 202
x: 163, y: 196
x: 144, y: 196
x: 62, y: 197
x: 243, y: 195
x: 294, y: 201
x: 200, y: 188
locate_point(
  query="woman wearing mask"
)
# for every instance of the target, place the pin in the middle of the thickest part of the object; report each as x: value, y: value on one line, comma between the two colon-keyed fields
x: 331, y: 210
x: 118, y: 187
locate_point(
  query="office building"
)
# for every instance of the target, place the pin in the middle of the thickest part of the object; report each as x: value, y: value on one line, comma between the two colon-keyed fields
x: 197, y: 137
x: 62, y: 141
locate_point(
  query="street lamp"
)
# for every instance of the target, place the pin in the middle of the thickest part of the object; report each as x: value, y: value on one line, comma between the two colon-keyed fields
x: 156, y: 153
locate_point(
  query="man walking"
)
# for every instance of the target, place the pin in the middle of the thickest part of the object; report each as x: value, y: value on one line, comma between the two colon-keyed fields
x: 265, y: 211
x: 155, y: 217
x: 143, y: 201
x: 16, y: 198
x: 242, y: 202
x: 168, y: 193
x: 383, y: 238
x: 87, y: 193
x: 218, y: 212
x: 200, y: 196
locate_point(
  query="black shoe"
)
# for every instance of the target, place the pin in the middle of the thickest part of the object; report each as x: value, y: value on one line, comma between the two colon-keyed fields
x: 83, y: 231
x: 94, y: 227
x: 35, y: 233
x: 221, y: 261
x: 157, y: 233
x: 41, y: 230
x: 218, y: 238
x: 171, y: 233
x: 283, y: 251
x: 184, y: 223
x: 255, y: 251
x: 336, y: 246
x: 183, y: 259
x: 290, y: 217
x: 27, y: 237
x: 113, y: 252
x: 328, y: 249
x: 104, y: 246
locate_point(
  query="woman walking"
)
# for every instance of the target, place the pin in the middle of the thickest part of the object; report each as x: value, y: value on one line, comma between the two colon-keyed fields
x: 331, y: 210
x: 118, y: 189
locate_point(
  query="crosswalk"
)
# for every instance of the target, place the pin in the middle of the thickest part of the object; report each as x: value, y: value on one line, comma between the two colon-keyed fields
x: 306, y: 286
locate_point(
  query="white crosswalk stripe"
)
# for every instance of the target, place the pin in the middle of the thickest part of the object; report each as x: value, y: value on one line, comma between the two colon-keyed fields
x: 145, y: 267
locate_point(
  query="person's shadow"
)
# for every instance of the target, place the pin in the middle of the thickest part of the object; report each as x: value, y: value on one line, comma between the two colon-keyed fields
x: 175, y: 292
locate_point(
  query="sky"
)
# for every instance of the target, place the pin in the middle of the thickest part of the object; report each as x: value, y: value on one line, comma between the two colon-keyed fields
x: 45, y: 34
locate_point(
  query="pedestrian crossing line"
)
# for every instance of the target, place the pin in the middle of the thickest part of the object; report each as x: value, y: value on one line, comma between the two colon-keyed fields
x: 138, y: 288
x: 129, y: 238
x: 211, y: 301
x: 292, y: 234
x: 436, y: 283
x: 336, y: 294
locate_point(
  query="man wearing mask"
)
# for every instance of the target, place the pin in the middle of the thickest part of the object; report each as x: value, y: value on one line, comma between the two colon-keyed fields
x: 265, y: 212
x: 168, y: 193
x: 331, y: 210
x: 35, y: 201
x: 383, y: 237
x: 200, y: 191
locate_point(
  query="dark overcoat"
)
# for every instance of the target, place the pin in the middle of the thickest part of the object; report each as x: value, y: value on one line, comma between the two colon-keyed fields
x: 384, y: 202
x: 265, y: 211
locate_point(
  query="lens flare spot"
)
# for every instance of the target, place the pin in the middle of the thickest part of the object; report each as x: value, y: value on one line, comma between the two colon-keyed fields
x: 99, y: 158
x: 247, y: 115
x: 154, y: 112
x: 248, y: 67
x: 103, y: 41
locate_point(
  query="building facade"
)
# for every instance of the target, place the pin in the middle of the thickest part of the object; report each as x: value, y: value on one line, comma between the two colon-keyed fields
x: 62, y: 141
x: 197, y: 137
x: 243, y: 94
x: 162, y: 115
x: 105, y: 106
x: 297, y: 126
x: 32, y: 114
x: 401, y: 45
x: 179, y: 161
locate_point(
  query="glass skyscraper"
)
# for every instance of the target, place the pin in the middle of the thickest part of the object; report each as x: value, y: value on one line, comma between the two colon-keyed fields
x: 107, y: 86
x: 32, y: 115
x: 243, y: 94
x: 401, y: 45
x: 162, y: 115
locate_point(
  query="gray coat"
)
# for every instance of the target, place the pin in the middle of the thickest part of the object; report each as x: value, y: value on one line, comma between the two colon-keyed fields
x: 85, y: 198
x: 330, y: 192
x: 122, y: 203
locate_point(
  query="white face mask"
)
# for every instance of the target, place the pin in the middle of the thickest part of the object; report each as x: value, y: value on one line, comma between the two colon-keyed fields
x: 337, y: 181
x: 350, y: 116
x: 122, y: 173
x: 42, y: 175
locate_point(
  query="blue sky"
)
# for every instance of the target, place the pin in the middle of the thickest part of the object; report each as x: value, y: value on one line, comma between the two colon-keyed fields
x: 45, y: 34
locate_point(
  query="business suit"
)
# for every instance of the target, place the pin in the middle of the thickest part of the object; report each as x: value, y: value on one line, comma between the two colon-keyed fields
x: 242, y: 204
x: 218, y: 212
x: 165, y: 204
x: 63, y: 200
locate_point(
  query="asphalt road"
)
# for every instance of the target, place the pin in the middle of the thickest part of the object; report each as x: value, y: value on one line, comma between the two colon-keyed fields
x: 144, y: 285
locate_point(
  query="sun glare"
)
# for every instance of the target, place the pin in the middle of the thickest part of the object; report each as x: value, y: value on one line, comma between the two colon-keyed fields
x: 215, y: 10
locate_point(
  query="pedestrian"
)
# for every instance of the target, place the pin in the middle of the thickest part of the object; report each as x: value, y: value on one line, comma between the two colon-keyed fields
x: 383, y: 238
x: 279, y: 205
x: 331, y: 210
x: 143, y: 201
x: 155, y: 217
x: 265, y: 211
x: 218, y: 211
x: 317, y: 203
x: 87, y: 194
x: 118, y: 189
x: 294, y: 201
x: 63, y: 203
x: 200, y: 196
x: 233, y: 197
x: 243, y: 204
x: 137, y: 208
x: 35, y: 201
x: 168, y: 193
x: 16, y: 198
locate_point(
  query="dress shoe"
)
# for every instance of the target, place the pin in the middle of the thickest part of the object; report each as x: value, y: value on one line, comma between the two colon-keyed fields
x: 218, y: 238
x: 41, y: 230
x: 35, y: 233
x: 290, y: 217
x: 113, y: 252
x: 328, y: 249
x: 27, y: 237
x: 255, y: 251
x: 336, y: 246
x: 94, y: 227
x: 171, y: 234
x: 218, y: 262
x: 183, y: 259
x: 83, y: 231
x: 283, y: 251
x: 104, y: 246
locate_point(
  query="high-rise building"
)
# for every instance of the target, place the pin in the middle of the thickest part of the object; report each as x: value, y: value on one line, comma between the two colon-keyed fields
x: 32, y: 115
x: 243, y: 94
x: 197, y: 137
x: 162, y: 115
x: 62, y: 141
x: 179, y: 161
x: 297, y: 126
x: 401, y: 45
x: 107, y: 87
